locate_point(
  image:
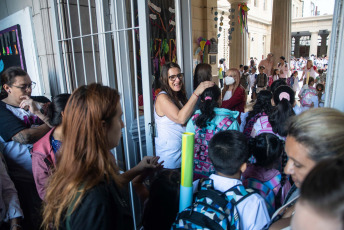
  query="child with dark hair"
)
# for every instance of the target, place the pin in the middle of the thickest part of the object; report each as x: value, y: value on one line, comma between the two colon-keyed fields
x: 229, y: 153
x: 275, y: 122
x: 161, y: 199
x: 321, y: 205
x: 262, y: 176
x: 44, y: 150
x: 205, y: 123
x: 262, y: 107
x: 244, y: 79
x: 306, y: 93
x: 276, y: 84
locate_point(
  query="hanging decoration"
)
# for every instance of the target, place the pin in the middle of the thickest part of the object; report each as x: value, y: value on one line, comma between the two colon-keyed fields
x: 242, y: 17
x: 203, y: 42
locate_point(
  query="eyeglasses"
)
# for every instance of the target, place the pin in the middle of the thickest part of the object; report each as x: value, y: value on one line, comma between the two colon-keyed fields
x: 25, y: 87
x: 174, y: 77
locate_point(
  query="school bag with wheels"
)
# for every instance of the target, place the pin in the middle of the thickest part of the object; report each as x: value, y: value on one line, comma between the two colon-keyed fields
x: 213, y: 209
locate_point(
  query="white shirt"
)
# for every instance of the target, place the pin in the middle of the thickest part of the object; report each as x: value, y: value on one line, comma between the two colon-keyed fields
x: 227, y: 96
x: 284, y: 70
x: 252, y: 211
x: 252, y: 79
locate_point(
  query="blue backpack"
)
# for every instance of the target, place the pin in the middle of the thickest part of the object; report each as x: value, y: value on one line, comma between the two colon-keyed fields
x: 212, y: 209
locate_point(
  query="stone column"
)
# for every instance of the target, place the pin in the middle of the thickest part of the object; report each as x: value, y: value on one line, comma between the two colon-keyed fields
x: 297, y: 46
x: 314, y: 43
x: 281, y: 29
x: 323, y: 44
x: 329, y: 43
x: 238, y: 46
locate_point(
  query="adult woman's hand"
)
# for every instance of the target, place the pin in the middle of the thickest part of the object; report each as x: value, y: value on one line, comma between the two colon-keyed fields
x: 149, y: 162
x: 29, y: 103
x: 202, y: 86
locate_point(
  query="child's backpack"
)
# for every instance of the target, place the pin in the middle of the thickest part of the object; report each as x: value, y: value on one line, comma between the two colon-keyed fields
x: 306, y: 97
x: 267, y: 190
x: 249, y: 125
x: 213, y: 209
x: 202, y: 164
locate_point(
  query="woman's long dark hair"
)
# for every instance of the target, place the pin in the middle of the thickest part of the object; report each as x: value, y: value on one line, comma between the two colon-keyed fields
x: 209, y: 100
x: 176, y: 97
x: 202, y: 73
x: 263, y: 104
x: 283, y: 110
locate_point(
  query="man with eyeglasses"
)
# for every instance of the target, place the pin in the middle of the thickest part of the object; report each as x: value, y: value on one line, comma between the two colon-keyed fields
x: 22, y: 123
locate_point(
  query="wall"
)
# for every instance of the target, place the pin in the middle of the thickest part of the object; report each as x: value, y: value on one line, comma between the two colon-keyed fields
x: 42, y: 30
x: 203, y: 25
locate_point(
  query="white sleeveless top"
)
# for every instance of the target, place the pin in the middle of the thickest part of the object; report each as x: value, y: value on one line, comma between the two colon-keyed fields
x: 168, y: 140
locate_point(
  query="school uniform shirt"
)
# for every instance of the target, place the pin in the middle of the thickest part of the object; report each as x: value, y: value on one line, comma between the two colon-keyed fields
x: 252, y: 79
x: 252, y: 211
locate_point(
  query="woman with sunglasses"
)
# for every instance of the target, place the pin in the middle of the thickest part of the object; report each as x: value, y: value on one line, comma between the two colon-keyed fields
x: 171, y: 112
x: 22, y: 123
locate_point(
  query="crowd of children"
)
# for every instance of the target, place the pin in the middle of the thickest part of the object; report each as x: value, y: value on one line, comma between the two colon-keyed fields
x: 254, y: 170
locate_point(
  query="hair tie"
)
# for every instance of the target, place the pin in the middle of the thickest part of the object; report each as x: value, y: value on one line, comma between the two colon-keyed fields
x: 208, y: 98
x: 284, y: 95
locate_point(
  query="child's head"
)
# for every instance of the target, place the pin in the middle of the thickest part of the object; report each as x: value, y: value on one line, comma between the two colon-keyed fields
x: 320, y: 87
x: 284, y: 99
x: 321, y: 205
x: 261, y: 69
x: 254, y: 69
x: 241, y: 67
x: 320, y: 71
x: 246, y: 68
x: 277, y: 84
x: 276, y: 72
x: 163, y: 202
x: 228, y: 152
x: 295, y: 73
x: 210, y: 98
x: 311, y: 81
x: 267, y: 148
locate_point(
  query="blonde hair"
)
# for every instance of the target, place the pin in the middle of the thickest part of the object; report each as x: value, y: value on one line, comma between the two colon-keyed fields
x: 232, y: 72
x: 321, y: 131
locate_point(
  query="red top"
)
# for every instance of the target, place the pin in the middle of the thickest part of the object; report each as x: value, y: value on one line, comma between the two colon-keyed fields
x: 237, y: 102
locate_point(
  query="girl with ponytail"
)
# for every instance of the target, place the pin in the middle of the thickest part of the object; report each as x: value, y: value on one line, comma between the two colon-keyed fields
x: 266, y: 174
x: 206, y: 122
x: 275, y: 121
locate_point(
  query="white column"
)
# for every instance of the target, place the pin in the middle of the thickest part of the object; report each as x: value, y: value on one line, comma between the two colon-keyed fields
x: 314, y: 43
x: 334, y: 79
x: 281, y: 29
x: 329, y: 44
x: 238, y: 47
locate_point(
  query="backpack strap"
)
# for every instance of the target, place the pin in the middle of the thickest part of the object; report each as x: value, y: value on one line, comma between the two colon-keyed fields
x: 199, y: 219
x: 205, y: 184
x: 238, y: 193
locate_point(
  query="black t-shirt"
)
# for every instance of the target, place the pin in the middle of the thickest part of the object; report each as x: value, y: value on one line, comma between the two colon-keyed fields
x: 14, y: 119
x: 102, y: 208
